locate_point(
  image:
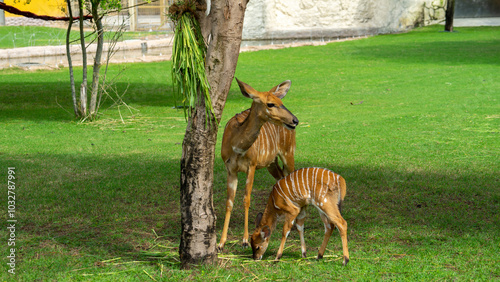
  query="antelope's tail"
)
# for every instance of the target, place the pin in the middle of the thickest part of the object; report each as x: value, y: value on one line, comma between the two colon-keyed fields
x: 342, y: 192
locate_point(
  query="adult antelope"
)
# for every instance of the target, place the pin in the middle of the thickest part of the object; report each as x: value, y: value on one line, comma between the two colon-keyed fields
x: 255, y: 139
x: 289, y: 198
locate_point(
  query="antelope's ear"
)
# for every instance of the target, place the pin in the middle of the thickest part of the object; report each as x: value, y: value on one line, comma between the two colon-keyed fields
x: 258, y: 219
x: 246, y: 89
x: 265, y: 232
x: 281, y: 89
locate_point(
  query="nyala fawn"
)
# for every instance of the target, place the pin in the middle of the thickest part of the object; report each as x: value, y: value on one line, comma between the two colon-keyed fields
x: 290, y: 196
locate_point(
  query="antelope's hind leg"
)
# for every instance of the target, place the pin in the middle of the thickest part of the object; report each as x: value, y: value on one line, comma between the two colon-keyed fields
x: 288, y: 163
x: 275, y: 170
x: 341, y: 225
x: 333, y: 218
x: 328, y: 234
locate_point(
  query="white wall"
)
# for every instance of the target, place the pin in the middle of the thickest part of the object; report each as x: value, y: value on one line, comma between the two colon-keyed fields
x: 289, y: 19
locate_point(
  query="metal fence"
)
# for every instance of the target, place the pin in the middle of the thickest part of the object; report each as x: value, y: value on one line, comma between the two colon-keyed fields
x: 138, y: 15
x: 477, y: 8
x: 147, y: 16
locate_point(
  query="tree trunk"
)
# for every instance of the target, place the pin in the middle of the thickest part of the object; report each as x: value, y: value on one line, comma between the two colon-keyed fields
x: 224, y: 24
x: 83, y: 87
x: 198, y: 237
x: 97, y: 59
x: 450, y: 11
x: 70, y: 63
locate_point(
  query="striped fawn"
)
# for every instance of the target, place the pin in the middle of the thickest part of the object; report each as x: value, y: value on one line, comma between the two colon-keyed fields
x: 255, y: 139
x: 290, y: 196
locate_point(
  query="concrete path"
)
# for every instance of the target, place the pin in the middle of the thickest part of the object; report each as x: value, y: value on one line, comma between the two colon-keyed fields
x: 476, y: 22
x: 55, y: 56
x: 157, y: 50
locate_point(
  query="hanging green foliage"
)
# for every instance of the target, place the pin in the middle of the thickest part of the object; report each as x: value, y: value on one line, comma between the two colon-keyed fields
x: 188, y: 59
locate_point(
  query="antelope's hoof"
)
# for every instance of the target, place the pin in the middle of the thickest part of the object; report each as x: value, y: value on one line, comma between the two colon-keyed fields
x: 304, y: 255
x: 220, y: 248
x: 244, y: 243
x: 346, y: 261
x: 277, y: 259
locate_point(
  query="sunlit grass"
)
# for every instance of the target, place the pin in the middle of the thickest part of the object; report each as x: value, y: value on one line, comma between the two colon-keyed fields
x: 30, y: 36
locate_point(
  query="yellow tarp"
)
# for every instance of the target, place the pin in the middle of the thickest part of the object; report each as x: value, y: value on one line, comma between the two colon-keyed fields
x: 39, y: 7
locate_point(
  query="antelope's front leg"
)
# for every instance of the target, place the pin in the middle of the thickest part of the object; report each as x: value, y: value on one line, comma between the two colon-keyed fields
x: 287, y: 226
x: 232, y: 184
x: 246, y: 200
x: 301, y: 218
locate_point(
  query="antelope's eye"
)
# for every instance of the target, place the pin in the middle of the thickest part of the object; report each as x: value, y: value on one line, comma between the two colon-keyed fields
x: 257, y: 248
x: 270, y: 105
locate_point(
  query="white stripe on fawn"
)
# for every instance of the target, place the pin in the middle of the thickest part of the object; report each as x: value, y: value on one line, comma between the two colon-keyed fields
x: 316, y: 184
x: 292, y: 184
x: 307, y: 180
x: 326, y: 186
x: 296, y: 187
x: 300, y: 187
x: 294, y: 196
x: 284, y: 194
x: 306, y: 192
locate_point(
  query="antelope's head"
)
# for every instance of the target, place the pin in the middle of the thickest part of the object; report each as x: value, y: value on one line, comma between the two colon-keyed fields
x: 260, y: 239
x: 269, y: 104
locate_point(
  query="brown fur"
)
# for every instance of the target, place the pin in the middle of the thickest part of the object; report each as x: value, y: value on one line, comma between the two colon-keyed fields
x: 255, y: 139
x: 289, y: 198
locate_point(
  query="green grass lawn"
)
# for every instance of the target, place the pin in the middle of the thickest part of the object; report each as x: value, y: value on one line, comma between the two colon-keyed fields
x: 29, y: 36
x: 411, y: 121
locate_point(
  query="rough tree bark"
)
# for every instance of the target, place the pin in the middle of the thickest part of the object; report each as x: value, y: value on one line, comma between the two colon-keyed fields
x: 83, y: 87
x: 222, y: 29
x: 97, y: 60
x: 450, y: 11
x: 70, y: 63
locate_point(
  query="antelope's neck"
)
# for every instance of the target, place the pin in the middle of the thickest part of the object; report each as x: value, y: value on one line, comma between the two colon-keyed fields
x: 270, y: 215
x: 247, y: 132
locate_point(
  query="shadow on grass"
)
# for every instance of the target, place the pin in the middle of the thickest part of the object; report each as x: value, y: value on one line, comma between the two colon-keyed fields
x: 52, y: 101
x: 457, y: 201
x: 109, y: 206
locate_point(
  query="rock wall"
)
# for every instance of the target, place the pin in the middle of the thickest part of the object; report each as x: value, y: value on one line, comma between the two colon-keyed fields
x: 285, y: 19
